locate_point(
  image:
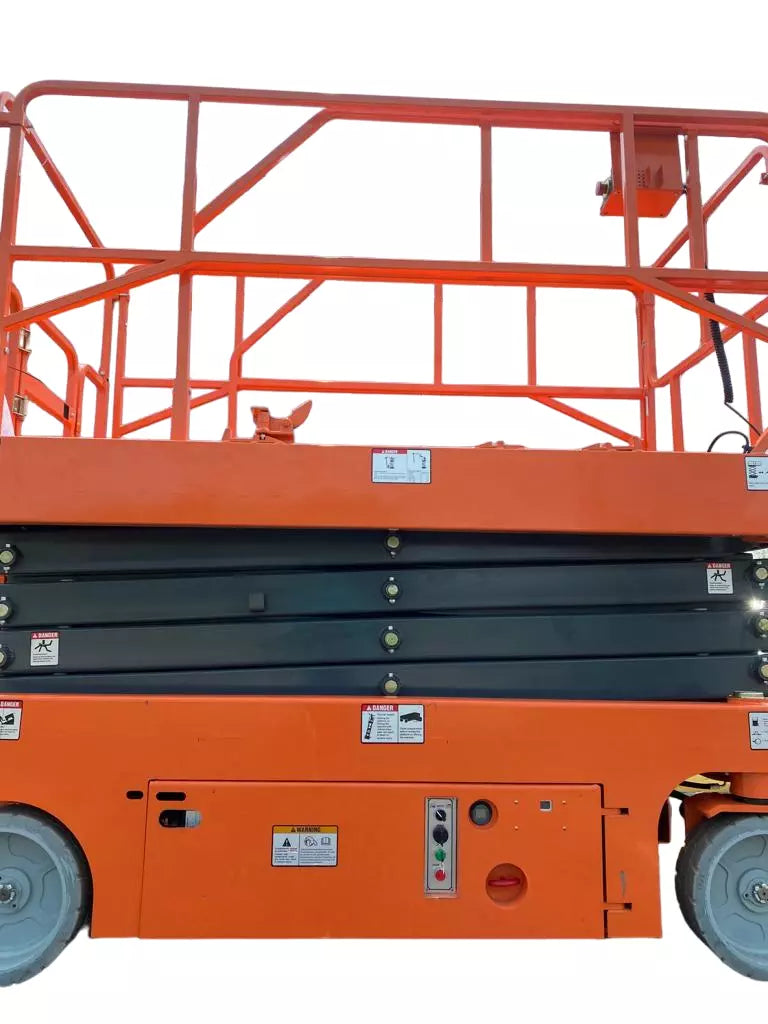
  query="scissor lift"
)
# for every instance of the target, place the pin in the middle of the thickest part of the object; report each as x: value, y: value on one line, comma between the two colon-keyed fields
x: 245, y: 681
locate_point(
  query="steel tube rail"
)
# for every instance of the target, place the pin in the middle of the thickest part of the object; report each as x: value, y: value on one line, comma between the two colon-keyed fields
x: 684, y: 287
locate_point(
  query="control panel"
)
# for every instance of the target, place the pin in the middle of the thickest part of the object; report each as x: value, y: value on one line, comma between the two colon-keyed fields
x: 440, y: 847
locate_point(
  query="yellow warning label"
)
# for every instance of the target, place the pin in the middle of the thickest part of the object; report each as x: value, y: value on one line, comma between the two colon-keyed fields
x: 305, y: 846
x: 304, y: 828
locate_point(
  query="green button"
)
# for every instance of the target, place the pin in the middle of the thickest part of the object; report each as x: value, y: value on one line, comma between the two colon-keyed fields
x: 439, y: 854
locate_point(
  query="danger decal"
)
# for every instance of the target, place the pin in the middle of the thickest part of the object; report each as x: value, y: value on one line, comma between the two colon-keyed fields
x: 10, y: 719
x: 43, y: 649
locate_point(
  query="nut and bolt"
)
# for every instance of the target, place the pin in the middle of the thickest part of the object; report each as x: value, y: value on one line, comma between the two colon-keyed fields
x: 7, y: 893
x: 8, y: 555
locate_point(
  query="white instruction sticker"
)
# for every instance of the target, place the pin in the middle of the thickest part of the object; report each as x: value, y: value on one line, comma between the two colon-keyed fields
x: 758, y: 731
x: 401, y: 465
x: 305, y: 846
x: 719, y: 578
x: 757, y: 472
x: 392, y: 723
x: 44, y: 649
x: 10, y: 719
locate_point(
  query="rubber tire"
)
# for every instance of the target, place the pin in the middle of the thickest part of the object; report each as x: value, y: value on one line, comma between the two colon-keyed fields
x: 696, y: 859
x: 75, y: 886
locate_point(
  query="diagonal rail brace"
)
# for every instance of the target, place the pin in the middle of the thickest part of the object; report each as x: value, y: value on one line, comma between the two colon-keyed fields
x: 259, y: 170
x: 713, y: 311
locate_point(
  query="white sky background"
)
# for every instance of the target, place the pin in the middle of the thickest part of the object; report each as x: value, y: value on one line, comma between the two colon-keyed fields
x: 387, y: 191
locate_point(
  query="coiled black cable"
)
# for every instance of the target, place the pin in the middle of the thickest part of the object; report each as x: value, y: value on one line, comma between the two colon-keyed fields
x: 725, y: 375
x: 722, y: 359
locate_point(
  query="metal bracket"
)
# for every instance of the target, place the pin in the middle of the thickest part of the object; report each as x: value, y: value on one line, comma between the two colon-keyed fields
x: 272, y: 428
x: 20, y: 406
x: 24, y: 342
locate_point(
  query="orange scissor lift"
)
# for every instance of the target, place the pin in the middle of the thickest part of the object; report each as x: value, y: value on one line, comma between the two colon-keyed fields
x: 435, y: 678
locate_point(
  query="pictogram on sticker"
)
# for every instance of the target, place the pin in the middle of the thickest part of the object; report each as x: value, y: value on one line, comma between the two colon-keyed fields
x: 392, y: 723
x: 719, y: 578
x: 10, y: 719
x: 44, y: 648
x: 401, y: 466
x: 305, y: 846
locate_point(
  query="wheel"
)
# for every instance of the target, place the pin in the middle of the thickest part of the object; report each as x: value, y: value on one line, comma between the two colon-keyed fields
x: 44, y: 893
x: 722, y: 888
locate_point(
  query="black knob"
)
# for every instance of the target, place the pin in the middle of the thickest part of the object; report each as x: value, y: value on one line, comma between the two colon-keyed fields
x: 440, y: 814
x: 440, y: 834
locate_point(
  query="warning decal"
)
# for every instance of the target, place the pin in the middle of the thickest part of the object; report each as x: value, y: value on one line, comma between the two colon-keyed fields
x: 401, y: 465
x: 758, y: 731
x: 44, y: 649
x: 719, y: 578
x: 392, y: 723
x: 757, y: 472
x: 305, y: 846
x: 10, y: 719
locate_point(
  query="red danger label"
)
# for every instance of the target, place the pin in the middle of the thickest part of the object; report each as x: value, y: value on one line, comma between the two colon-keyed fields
x: 10, y: 719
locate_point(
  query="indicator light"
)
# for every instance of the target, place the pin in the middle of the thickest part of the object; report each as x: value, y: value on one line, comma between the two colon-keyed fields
x: 481, y: 812
x: 439, y: 854
x: 390, y: 638
x: 8, y: 555
x: 439, y: 875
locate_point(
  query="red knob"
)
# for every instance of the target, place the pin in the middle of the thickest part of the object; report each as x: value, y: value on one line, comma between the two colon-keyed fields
x: 440, y: 875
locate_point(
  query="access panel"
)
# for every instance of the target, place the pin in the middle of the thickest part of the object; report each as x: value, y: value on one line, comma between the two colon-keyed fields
x: 242, y: 859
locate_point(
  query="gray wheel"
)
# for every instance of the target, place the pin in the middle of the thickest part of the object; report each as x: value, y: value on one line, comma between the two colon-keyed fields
x: 722, y: 887
x: 44, y: 892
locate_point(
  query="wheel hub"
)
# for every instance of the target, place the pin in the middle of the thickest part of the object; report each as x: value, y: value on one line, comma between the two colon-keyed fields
x: 753, y: 890
x: 15, y: 888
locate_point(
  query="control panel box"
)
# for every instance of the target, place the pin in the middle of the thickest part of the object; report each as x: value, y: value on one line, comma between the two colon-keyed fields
x: 440, y: 847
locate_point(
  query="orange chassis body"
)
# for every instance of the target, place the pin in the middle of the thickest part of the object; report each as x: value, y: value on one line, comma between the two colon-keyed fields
x: 605, y: 769
x: 248, y: 763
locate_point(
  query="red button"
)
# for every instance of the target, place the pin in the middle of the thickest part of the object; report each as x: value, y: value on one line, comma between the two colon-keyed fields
x: 439, y: 875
